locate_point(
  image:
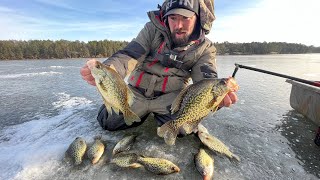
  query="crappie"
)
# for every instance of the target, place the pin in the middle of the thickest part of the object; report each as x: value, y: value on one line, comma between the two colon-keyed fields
x: 215, y: 144
x: 158, y: 165
x: 76, y: 150
x: 204, y: 164
x: 115, y: 92
x: 124, y: 144
x: 96, y: 150
x: 193, y: 104
x: 126, y: 160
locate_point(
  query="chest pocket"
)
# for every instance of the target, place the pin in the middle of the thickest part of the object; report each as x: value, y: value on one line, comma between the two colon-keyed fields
x: 180, y: 60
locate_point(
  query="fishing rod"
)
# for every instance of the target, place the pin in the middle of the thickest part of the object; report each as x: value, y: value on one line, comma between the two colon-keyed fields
x: 313, y: 83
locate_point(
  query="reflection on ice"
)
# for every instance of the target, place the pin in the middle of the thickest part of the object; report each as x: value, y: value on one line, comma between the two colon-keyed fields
x: 300, y: 135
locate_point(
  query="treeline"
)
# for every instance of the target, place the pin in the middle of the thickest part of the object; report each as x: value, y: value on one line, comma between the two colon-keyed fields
x: 264, y: 48
x: 47, y: 49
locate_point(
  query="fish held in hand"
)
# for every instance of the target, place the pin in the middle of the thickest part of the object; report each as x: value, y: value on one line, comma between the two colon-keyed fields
x: 204, y: 164
x: 126, y: 160
x: 193, y: 104
x: 124, y: 144
x: 95, y: 152
x: 214, y: 144
x: 76, y: 150
x: 114, y: 91
x: 158, y: 166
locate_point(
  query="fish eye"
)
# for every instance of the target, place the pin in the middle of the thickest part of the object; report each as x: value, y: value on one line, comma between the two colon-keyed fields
x: 98, y: 66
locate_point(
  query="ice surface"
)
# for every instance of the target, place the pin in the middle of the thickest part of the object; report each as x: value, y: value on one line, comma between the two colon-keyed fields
x: 272, y: 140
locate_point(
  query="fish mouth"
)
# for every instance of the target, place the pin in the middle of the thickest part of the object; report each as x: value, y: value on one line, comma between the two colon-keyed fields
x: 232, y: 84
x: 176, y: 169
x: 93, y: 64
x: 90, y: 64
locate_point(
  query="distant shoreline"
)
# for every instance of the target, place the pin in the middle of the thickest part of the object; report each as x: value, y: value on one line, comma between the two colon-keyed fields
x: 63, y: 49
x: 70, y: 59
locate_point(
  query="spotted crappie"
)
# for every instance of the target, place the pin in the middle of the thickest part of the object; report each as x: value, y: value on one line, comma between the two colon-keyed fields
x: 204, y: 164
x: 96, y: 150
x: 158, y: 165
x: 124, y: 144
x: 126, y: 160
x: 214, y: 144
x: 76, y: 150
x: 115, y: 92
x: 193, y: 104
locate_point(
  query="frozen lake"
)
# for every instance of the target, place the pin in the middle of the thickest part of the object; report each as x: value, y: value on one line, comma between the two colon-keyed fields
x: 45, y: 105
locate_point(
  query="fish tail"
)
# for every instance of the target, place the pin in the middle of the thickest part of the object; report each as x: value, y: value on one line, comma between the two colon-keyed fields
x: 77, y: 161
x: 130, y: 117
x: 168, y: 133
x: 97, y: 137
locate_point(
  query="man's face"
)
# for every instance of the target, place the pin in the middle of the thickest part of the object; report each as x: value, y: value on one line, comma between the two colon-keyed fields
x: 181, y: 28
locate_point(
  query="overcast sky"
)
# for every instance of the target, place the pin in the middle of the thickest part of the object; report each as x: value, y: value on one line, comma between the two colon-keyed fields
x: 237, y: 20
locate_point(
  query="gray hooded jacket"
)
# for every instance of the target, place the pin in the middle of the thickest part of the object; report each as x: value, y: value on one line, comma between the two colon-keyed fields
x: 154, y: 66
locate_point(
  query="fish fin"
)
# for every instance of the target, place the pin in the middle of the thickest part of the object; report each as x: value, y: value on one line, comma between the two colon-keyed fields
x: 130, y: 96
x: 114, y: 152
x: 177, y: 101
x: 67, y: 159
x: 168, y: 133
x: 101, y: 89
x: 77, y: 161
x: 188, y: 127
x: 170, y: 137
x: 116, y: 110
x: 135, y: 165
x: 106, y: 103
x: 130, y: 117
x: 112, y: 67
x: 234, y: 158
x: 202, y: 129
x: 108, y: 107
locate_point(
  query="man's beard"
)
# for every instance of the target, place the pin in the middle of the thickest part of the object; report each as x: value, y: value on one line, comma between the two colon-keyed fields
x: 179, y: 41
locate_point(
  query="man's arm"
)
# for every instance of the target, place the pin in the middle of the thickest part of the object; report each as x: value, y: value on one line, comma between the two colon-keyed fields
x: 205, y: 67
x: 125, y: 60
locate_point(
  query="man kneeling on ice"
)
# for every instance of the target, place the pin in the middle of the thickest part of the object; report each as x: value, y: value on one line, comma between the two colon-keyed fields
x: 168, y: 51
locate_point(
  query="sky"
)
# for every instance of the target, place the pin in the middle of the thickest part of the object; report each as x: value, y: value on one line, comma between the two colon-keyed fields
x: 240, y: 21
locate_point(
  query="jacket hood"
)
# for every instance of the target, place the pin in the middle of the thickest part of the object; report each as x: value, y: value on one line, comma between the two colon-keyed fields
x: 206, y: 14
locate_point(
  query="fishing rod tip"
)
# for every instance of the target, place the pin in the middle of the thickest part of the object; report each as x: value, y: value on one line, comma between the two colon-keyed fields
x: 235, y: 71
